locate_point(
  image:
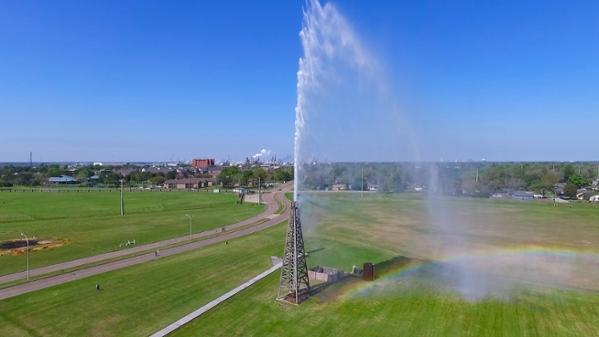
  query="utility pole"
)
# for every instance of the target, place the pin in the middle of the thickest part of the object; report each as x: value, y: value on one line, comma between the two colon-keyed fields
x: 362, y: 189
x: 122, y: 200
x: 476, y: 179
x: 30, y: 159
x: 27, y: 239
x: 259, y: 192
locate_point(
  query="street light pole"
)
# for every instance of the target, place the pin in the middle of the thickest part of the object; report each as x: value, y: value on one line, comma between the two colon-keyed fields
x: 259, y: 192
x: 189, y: 217
x: 27, y: 253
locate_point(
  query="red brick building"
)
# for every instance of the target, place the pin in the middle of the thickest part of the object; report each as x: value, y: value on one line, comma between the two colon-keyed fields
x: 202, y: 163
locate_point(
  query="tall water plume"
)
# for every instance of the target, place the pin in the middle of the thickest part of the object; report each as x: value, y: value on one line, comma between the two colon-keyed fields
x: 343, y: 111
x: 350, y: 134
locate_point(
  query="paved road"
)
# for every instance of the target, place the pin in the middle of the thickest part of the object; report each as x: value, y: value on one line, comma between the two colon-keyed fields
x: 248, y: 226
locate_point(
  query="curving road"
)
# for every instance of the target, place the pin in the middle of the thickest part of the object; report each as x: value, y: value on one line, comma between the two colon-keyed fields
x: 264, y: 220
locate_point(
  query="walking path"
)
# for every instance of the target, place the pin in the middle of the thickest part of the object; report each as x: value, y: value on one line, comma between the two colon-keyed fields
x: 195, y: 314
x: 268, y: 198
x: 254, y: 224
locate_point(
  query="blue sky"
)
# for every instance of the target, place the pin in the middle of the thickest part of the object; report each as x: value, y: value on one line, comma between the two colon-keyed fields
x: 160, y: 80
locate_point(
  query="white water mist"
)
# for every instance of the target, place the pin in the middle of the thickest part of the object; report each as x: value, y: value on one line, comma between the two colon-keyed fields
x: 326, y: 39
x: 346, y: 116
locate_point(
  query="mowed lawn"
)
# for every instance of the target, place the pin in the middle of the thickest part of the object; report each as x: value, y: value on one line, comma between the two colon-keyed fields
x: 417, y: 313
x: 142, y: 299
x: 378, y: 228
x: 90, y: 222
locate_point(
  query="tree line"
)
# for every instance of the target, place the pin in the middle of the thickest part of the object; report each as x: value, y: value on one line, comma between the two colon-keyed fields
x: 232, y: 176
x: 12, y: 175
x: 471, y: 179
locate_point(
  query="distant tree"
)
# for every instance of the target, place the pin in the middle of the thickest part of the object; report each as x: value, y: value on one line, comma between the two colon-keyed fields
x: 157, y: 180
x: 591, y: 171
x: 545, y: 182
x: 53, y: 171
x: 24, y: 179
x: 259, y: 172
x: 228, y: 176
x: 549, y: 179
x: 570, y: 190
x: 138, y: 177
x: 110, y: 178
x: 315, y: 176
x: 171, y: 175
x: 568, y: 172
x: 283, y: 174
x: 579, y: 181
x: 338, y: 172
x: 469, y: 186
x: 531, y: 178
x: 450, y: 181
x: 494, y: 178
x: 246, y: 176
x: 385, y: 184
x: 389, y: 178
x: 357, y: 182
x: 84, y: 173
x: 39, y: 179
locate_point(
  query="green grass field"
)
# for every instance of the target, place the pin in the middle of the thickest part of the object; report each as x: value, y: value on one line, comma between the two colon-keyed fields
x: 393, y: 231
x: 381, y: 228
x: 402, y: 225
x: 91, y: 224
x: 141, y: 299
x: 255, y: 313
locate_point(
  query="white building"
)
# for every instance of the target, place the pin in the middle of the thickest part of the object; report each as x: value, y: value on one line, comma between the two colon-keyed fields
x: 560, y: 201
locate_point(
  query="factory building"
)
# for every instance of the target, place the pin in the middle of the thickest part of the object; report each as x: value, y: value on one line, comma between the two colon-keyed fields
x: 202, y: 163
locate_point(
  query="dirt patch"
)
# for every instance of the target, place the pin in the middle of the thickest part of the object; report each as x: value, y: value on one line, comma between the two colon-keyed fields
x: 15, y: 244
x: 19, y: 246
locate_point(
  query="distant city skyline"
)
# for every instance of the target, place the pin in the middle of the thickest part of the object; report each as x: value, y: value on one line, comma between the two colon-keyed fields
x: 263, y: 156
x: 117, y: 81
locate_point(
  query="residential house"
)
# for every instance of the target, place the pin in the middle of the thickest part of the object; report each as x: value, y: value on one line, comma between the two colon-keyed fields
x: 188, y: 183
x: 63, y: 179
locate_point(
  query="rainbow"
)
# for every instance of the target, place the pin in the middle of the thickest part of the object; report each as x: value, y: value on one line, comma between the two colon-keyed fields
x: 360, y: 289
